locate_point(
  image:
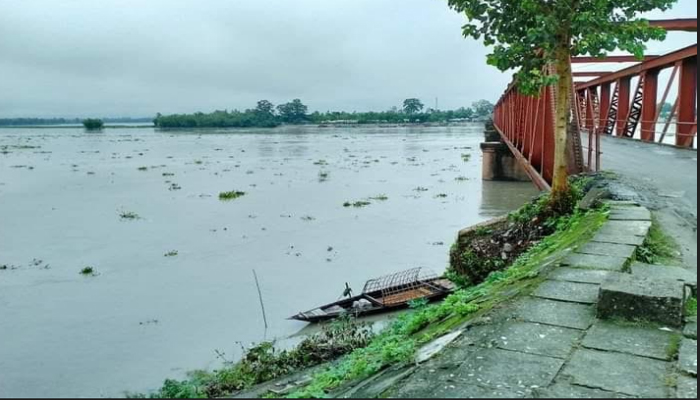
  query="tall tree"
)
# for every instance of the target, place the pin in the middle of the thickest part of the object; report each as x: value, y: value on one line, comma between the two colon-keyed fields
x: 293, y: 112
x: 412, y: 106
x: 483, y: 108
x: 536, y: 34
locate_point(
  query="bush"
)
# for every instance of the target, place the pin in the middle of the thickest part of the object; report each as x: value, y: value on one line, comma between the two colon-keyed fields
x: 93, y: 124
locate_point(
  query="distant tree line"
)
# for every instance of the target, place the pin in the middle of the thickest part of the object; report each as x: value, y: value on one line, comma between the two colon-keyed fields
x: 37, y: 121
x: 266, y: 115
x: 66, y: 121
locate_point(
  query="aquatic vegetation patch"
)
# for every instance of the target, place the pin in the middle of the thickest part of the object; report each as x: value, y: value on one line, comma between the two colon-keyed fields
x: 461, y: 179
x: 172, y: 253
x: 323, y: 176
x: 88, y: 271
x: 381, y: 197
x: 232, y: 195
x: 466, y: 157
x: 441, y: 196
x: 143, y: 168
x: 128, y: 215
x: 357, y: 204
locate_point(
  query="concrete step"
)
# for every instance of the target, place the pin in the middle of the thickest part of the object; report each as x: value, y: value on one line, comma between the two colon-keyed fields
x: 667, y: 272
x: 637, y: 298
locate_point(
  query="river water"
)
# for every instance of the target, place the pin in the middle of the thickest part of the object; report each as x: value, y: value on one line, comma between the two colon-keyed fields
x: 145, y: 317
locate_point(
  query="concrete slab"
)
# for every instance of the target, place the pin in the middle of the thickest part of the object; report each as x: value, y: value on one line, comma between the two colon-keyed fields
x: 630, y: 214
x: 548, y: 312
x: 691, y: 329
x: 608, y: 249
x: 619, y: 373
x: 666, y: 272
x: 569, y: 391
x: 579, y: 275
x: 687, y: 388
x: 511, y: 370
x: 688, y: 358
x: 634, y: 340
x: 640, y: 299
x: 631, y: 240
x: 436, y: 346
x: 636, y: 228
x: 537, y: 339
x: 585, y: 293
x: 590, y: 261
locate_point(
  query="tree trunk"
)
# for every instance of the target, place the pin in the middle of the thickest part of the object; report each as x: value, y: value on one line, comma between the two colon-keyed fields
x: 560, y: 181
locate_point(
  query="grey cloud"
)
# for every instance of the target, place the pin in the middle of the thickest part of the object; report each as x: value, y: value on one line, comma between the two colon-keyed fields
x: 139, y: 57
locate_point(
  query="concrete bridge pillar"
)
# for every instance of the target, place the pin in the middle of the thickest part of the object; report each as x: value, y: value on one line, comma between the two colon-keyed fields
x: 499, y: 164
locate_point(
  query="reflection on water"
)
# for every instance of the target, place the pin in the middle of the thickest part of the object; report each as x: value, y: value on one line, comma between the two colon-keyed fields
x: 146, y: 317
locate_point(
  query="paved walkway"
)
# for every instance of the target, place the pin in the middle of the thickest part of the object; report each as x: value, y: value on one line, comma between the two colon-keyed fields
x: 667, y: 178
x: 551, y: 345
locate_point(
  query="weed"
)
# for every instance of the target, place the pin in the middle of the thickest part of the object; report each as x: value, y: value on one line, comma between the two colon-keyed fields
x: 461, y: 179
x: 174, y: 187
x: 143, y: 168
x: 420, y: 189
x: 168, y: 174
x: 308, y: 218
x: 172, y: 253
x: 264, y: 362
x: 232, y: 195
x: 87, y: 271
x: 674, y: 347
x: 323, y: 176
x: 466, y: 157
x: 658, y: 248
x: 128, y: 215
x: 691, y: 308
x: 357, y: 204
x: 198, y: 162
x: 321, y: 162
x: 381, y: 197
x: 441, y: 196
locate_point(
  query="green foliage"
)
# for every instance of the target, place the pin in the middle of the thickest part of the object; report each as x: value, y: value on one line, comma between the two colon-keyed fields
x: 232, y: 195
x: 87, y: 271
x: 91, y: 124
x: 691, y: 308
x: 412, y: 106
x: 263, y: 116
x: 674, y: 347
x: 264, y: 362
x: 393, y: 116
x: 357, y: 204
x: 293, y: 112
x: 128, y: 215
x: 483, y: 108
x: 526, y: 34
x: 658, y: 247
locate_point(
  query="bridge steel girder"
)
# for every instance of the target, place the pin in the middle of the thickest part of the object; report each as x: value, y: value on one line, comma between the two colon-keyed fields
x: 663, y: 62
x: 682, y: 24
x: 610, y: 59
x: 605, y: 93
x: 623, y: 109
x: 651, y: 91
x: 687, y: 103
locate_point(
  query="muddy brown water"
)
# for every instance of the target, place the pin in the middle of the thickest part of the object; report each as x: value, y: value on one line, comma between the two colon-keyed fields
x: 145, y: 317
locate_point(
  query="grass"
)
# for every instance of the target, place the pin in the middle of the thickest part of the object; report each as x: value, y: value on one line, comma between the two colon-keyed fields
x: 172, y: 253
x: 674, y: 347
x: 87, y: 271
x: 398, y: 343
x: 232, y: 195
x: 128, y: 215
x: 691, y: 308
x: 659, y: 248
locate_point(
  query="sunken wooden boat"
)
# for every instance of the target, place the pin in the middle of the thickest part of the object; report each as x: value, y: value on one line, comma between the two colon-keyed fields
x: 385, y: 294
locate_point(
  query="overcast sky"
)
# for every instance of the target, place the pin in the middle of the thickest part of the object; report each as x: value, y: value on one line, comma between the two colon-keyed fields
x: 139, y: 57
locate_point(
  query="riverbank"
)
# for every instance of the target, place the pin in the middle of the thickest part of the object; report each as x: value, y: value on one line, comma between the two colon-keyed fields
x: 529, y: 331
